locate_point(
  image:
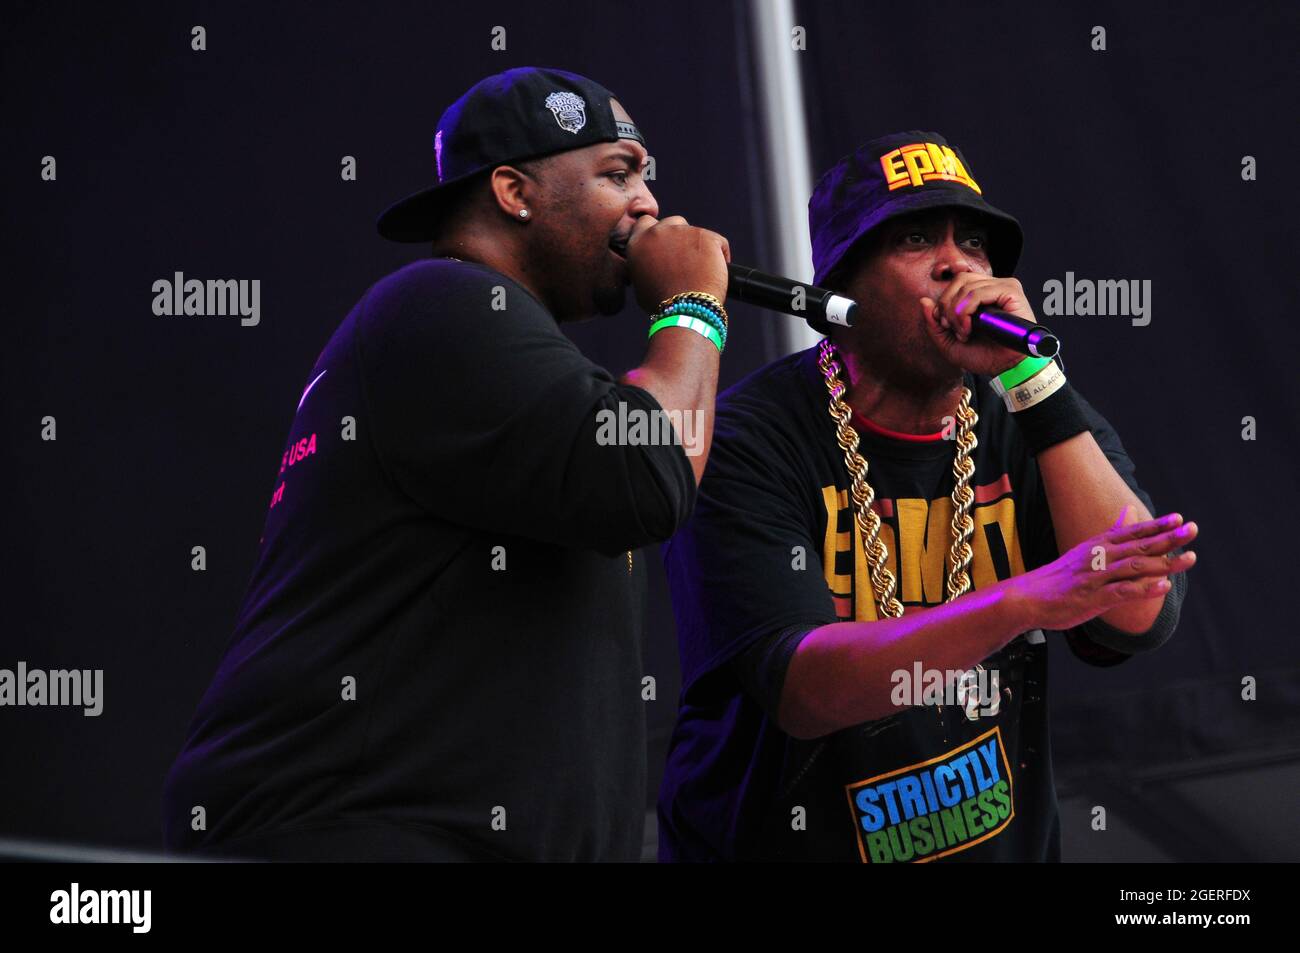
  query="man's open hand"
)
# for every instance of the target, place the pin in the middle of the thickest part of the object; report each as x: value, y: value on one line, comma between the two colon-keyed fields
x: 1129, y: 561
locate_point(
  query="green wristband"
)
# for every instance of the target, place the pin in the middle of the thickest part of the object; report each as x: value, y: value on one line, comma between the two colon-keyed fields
x: 700, y: 327
x: 693, y: 310
x: 1020, y: 373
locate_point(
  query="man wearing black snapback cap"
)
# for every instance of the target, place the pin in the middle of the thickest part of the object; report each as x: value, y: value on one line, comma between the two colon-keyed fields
x: 862, y: 590
x: 438, y: 656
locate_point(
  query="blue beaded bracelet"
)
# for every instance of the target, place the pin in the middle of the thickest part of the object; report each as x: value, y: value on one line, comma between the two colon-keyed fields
x: 697, y: 310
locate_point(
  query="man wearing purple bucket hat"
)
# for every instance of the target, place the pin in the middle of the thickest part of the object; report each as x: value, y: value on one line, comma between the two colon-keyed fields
x: 889, y: 524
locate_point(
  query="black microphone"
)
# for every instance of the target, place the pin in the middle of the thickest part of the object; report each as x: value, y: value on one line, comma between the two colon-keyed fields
x: 789, y: 296
x: 1014, y: 333
x: 811, y: 302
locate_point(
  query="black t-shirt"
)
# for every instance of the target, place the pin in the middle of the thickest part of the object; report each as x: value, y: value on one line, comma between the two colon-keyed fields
x: 438, y: 654
x: 771, y: 552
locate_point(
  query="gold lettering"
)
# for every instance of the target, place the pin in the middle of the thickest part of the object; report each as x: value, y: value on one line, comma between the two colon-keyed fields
x: 837, y: 582
x: 917, y: 160
x: 892, y: 164
x: 925, y: 533
x: 943, y: 159
x: 1003, y: 512
x: 919, y: 557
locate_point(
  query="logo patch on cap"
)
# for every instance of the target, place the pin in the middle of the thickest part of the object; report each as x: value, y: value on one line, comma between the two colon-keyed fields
x: 570, y: 110
x: 922, y: 162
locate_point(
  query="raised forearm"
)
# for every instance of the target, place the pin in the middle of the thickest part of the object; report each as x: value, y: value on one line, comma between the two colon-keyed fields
x: 681, y: 372
x: 842, y: 674
x: 1085, y: 496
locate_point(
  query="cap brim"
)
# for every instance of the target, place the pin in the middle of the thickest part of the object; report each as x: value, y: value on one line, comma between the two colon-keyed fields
x: 1005, y: 239
x: 415, y: 218
x: 412, y: 219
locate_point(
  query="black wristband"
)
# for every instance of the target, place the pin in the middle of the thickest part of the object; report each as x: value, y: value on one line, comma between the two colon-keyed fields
x: 1051, y: 421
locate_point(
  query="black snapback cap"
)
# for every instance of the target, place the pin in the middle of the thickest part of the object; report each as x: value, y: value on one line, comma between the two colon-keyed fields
x: 523, y: 113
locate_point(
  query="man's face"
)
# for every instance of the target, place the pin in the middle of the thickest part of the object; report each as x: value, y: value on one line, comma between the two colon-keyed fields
x: 591, y: 198
x: 911, y: 257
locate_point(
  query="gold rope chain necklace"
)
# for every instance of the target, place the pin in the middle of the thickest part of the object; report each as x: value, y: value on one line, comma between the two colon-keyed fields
x: 963, y: 468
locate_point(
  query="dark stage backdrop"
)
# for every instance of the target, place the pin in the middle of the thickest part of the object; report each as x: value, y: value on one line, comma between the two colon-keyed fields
x: 1122, y: 164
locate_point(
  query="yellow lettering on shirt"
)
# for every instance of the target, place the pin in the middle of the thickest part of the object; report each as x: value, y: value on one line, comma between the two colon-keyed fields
x: 918, y: 538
